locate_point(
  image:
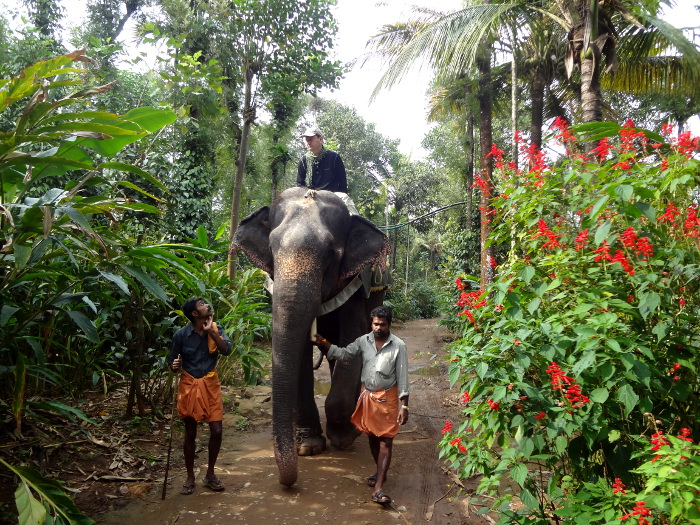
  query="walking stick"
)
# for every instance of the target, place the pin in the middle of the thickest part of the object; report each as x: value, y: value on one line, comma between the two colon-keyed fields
x: 170, y: 440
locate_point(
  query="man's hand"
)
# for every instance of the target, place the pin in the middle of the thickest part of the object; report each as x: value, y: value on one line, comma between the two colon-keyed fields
x: 177, y: 363
x: 321, y: 342
x: 208, y: 324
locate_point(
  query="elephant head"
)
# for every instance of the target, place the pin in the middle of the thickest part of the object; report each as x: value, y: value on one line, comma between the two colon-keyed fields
x: 312, y: 247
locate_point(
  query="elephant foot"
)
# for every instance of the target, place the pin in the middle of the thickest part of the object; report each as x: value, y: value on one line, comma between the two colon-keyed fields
x: 343, y: 436
x: 310, y: 443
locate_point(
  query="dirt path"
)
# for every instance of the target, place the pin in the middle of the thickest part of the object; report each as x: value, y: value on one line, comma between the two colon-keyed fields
x: 331, y: 486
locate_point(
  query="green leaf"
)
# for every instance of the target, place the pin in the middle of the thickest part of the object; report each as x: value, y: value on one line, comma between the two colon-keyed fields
x: 454, y: 372
x: 20, y: 375
x: 560, y: 443
x: 648, y: 302
x: 481, y: 369
x: 598, y: 206
x: 148, y: 282
x: 527, y: 273
x: 6, y: 313
x: 118, y: 280
x: 661, y: 330
x: 599, y: 395
x: 85, y: 324
x: 534, y: 305
x: 647, y: 210
x: 625, y: 191
x: 519, y: 474
x: 31, y: 511
x: 602, y: 233
x: 61, y: 408
x: 585, y: 362
x: 627, y: 396
x: 122, y: 166
x: 50, y: 492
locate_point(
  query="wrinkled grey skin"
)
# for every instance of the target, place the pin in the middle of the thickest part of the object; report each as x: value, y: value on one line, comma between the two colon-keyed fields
x: 312, y: 247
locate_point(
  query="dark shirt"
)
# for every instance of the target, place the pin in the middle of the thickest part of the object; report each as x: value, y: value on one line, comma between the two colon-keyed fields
x: 326, y: 174
x: 194, y: 349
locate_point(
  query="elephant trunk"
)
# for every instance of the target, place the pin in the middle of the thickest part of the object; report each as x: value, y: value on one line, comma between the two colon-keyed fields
x: 294, y: 305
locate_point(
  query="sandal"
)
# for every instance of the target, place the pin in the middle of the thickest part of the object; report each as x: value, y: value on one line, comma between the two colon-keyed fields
x: 214, y: 484
x: 372, y: 480
x: 381, y: 497
x: 187, y: 489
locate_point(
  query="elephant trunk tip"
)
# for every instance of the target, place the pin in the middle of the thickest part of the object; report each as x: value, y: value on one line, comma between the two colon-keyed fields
x: 288, y: 479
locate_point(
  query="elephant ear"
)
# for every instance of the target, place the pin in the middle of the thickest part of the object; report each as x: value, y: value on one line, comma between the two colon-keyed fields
x: 253, y: 237
x: 365, y: 245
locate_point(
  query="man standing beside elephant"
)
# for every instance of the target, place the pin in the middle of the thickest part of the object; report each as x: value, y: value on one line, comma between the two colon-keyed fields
x: 385, y: 384
x: 324, y: 168
x: 195, y: 351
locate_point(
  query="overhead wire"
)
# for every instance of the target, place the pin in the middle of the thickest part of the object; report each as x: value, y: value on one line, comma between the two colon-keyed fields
x: 429, y: 214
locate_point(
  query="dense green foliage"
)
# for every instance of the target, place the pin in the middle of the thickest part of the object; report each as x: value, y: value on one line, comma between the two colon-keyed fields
x: 579, y: 365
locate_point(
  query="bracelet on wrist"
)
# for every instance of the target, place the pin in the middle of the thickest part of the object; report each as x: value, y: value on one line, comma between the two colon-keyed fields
x: 404, y: 407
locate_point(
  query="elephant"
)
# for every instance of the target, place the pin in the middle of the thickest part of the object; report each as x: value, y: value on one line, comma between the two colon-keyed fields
x: 312, y: 247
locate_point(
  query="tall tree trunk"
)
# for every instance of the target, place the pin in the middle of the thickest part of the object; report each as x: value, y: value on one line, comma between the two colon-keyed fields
x: 483, y: 64
x: 537, y: 112
x: 275, y: 169
x: 469, y: 169
x: 248, y: 118
x: 133, y: 320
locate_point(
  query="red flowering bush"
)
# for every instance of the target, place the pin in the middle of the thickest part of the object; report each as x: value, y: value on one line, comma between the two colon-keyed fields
x: 585, y: 347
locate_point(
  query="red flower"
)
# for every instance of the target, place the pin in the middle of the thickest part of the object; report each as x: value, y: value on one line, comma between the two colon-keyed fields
x: 603, y: 252
x: 691, y: 226
x: 564, y: 134
x: 640, y: 511
x: 658, y: 440
x: 465, y: 398
x: 685, y: 435
x: 541, y: 415
x: 459, y: 284
x: 544, y: 231
x: 669, y: 216
x: 557, y: 376
x: 621, y: 258
x: 493, y: 405
x: 602, y: 149
x: 581, y: 240
x: 448, y: 427
x: 618, y: 486
x: 462, y: 449
x: 628, y: 237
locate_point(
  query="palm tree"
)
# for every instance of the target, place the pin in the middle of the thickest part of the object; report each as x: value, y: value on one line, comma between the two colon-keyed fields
x: 455, y: 42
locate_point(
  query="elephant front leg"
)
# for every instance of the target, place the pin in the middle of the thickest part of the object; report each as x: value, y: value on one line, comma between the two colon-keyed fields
x: 309, y: 434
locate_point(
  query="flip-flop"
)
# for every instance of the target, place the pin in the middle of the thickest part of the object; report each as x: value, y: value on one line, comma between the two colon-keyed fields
x: 381, y: 497
x: 213, y: 484
x: 187, y: 489
x: 372, y: 480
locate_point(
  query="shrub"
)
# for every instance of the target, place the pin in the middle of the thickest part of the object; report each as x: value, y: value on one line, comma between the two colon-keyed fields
x: 585, y: 348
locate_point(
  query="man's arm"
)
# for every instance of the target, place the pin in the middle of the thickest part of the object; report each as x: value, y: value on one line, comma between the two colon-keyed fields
x: 301, y: 172
x: 174, y: 359
x: 223, y: 343
x: 341, y: 175
x: 336, y: 352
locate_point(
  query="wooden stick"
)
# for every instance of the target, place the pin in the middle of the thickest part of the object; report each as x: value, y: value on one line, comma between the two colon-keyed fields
x: 170, y: 440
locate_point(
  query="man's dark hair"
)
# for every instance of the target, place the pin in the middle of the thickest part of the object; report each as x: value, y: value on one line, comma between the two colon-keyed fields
x: 381, y: 311
x: 190, y: 306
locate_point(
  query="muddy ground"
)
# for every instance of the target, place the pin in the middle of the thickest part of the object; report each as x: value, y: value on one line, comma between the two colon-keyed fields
x: 331, y: 487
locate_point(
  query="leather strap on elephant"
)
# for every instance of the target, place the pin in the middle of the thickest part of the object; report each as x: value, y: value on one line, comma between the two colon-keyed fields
x: 334, y: 302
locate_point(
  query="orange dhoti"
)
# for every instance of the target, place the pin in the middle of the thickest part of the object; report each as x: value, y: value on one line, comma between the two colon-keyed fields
x: 377, y: 412
x: 200, y: 398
